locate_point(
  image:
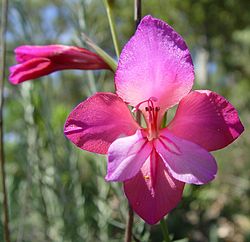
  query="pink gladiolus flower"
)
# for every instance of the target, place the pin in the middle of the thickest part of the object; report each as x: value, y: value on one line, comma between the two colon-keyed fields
x: 37, y: 61
x: 155, y: 72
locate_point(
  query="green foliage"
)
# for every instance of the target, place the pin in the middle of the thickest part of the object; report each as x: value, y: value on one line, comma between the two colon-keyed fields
x: 57, y: 192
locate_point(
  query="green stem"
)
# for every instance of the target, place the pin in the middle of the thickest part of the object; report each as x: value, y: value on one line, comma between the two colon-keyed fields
x: 112, y: 27
x: 3, y: 30
x: 164, y: 229
x: 137, y: 8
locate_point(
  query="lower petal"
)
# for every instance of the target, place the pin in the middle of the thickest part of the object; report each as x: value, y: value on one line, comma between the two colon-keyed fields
x: 126, y: 156
x: 29, y: 70
x: 186, y: 161
x: 153, y: 192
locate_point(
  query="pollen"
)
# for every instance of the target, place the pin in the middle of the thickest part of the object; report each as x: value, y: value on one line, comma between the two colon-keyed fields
x: 146, y: 177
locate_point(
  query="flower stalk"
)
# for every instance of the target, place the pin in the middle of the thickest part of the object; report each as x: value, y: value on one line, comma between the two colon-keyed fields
x: 137, y: 12
x: 129, y: 226
x: 112, y: 26
x: 164, y: 229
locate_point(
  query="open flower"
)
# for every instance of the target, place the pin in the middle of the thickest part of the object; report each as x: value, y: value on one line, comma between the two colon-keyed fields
x: 155, y: 72
x: 38, y: 61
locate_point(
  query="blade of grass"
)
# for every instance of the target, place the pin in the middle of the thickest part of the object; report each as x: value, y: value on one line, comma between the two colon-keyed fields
x: 108, y: 8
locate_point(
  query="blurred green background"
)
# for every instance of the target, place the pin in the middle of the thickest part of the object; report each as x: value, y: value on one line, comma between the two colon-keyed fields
x: 57, y: 192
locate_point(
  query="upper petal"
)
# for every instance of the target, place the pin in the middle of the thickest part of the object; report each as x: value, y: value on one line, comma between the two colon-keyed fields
x: 26, y: 52
x: 186, y: 161
x: 96, y: 122
x: 154, y: 63
x: 153, y: 198
x: 126, y: 156
x: 208, y: 119
x: 63, y: 56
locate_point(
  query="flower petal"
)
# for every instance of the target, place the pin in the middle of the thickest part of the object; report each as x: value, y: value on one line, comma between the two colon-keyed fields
x: 207, y: 119
x: 31, y: 69
x: 126, y: 156
x: 151, y: 198
x: 62, y: 56
x: 27, y: 52
x: 155, y: 63
x: 186, y: 161
x: 96, y: 122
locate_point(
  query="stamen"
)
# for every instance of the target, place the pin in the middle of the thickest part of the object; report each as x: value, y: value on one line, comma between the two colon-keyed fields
x: 153, y: 99
x: 150, y: 100
x: 149, y: 110
x: 151, y: 117
x: 152, y: 120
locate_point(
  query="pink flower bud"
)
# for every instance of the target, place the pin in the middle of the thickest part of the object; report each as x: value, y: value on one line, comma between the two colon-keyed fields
x: 38, y: 61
